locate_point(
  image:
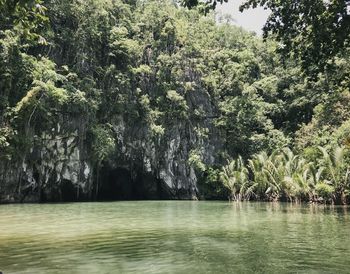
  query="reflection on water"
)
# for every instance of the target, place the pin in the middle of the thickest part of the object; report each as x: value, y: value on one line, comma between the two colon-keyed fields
x: 174, y: 237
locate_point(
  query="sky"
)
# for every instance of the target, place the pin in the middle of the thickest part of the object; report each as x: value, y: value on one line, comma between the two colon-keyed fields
x: 252, y: 19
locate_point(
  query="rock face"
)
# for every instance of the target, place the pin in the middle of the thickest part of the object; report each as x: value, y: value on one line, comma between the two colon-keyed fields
x: 55, y: 169
x: 59, y: 167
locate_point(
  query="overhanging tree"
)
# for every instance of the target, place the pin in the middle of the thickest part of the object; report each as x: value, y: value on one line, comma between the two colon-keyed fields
x: 313, y: 31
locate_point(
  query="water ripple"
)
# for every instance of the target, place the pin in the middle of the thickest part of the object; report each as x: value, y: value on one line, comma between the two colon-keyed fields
x: 174, y: 237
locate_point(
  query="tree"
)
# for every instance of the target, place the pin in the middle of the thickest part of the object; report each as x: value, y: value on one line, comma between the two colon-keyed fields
x: 312, y: 31
x: 234, y: 177
x: 205, y: 5
x: 22, y: 16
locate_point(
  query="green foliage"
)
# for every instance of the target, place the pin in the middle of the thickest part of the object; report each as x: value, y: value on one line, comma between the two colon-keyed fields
x: 313, y: 31
x: 7, y: 135
x: 24, y: 18
x: 166, y: 69
x: 210, y: 185
x: 204, y: 6
x: 234, y: 177
x: 329, y: 124
x: 284, y: 175
x: 51, y: 94
x: 177, y: 102
x: 195, y: 160
x: 324, y: 191
x: 103, y: 143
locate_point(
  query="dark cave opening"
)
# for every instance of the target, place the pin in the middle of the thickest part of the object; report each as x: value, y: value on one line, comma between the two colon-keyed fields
x: 68, y: 192
x: 114, y: 184
x: 119, y: 184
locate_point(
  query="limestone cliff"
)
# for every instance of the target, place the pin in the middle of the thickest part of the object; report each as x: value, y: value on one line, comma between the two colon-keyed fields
x: 60, y: 167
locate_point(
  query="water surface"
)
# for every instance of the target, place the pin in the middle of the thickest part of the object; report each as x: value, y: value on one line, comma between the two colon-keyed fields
x: 174, y: 237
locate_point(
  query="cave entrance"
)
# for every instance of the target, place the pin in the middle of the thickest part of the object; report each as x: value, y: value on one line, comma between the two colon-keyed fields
x: 119, y: 184
x: 68, y: 192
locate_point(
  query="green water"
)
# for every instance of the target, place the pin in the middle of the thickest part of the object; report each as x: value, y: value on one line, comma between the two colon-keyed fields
x: 174, y: 237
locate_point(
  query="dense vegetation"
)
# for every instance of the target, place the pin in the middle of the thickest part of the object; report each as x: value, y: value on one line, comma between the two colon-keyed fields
x: 285, y: 125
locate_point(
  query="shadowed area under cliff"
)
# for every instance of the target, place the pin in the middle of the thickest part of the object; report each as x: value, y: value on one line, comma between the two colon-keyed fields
x: 120, y: 184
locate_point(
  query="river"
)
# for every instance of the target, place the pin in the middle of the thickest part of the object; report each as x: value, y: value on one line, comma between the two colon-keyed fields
x: 174, y: 237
